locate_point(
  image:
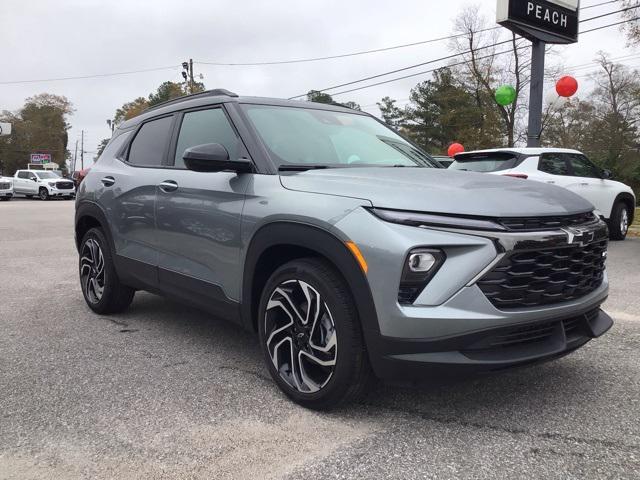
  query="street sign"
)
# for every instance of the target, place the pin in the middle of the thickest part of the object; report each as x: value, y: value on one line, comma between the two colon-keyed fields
x: 5, y: 129
x: 40, y: 158
x: 551, y: 21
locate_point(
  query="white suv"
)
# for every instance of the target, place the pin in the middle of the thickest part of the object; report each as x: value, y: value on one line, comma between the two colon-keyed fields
x: 571, y: 169
x: 42, y: 183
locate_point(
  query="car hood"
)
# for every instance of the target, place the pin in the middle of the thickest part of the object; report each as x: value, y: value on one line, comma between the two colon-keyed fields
x: 440, y: 191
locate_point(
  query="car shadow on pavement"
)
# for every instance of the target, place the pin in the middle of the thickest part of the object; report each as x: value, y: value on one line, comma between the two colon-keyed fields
x: 558, y: 388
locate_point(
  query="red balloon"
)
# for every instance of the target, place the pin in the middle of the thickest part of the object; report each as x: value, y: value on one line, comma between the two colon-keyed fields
x: 454, y: 149
x: 567, y: 86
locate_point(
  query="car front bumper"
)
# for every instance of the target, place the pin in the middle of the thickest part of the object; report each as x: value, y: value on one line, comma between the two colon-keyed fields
x: 450, y: 327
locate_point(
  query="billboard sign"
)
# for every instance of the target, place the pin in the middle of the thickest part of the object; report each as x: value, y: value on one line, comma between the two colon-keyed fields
x: 40, y: 158
x: 552, y: 21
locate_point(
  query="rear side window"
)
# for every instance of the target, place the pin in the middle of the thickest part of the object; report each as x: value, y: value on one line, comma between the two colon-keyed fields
x: 206, y: 126
x: 23, y: 175
x: 486, y: 162
x: 150, y: 144
x: 554, y: 164
x: 582, y: 167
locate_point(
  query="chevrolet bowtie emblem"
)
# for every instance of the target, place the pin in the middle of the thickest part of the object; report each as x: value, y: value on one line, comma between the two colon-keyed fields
x: 581, y: 237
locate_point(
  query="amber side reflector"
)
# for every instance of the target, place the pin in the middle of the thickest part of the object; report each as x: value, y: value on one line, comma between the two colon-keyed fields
x: 358, y: 254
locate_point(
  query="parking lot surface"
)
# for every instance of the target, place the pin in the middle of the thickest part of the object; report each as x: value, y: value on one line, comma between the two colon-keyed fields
x: 165, y: 391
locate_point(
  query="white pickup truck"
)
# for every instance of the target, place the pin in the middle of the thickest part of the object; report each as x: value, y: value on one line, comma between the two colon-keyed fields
x: 43, y: 184
x: 6, y: 188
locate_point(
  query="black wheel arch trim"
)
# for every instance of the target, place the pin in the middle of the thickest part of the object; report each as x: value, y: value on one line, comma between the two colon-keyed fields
x: 628, y: 199
x: 86, y: 208
x: 322, y: 242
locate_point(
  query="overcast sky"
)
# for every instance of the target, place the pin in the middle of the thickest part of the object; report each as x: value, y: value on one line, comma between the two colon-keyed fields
x: 43, y: 39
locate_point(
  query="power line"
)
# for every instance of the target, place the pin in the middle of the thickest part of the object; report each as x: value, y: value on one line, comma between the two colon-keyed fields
x: 609, y: 13
x: 97, y: 75
x: 448, y: 57
x: 599, y: 4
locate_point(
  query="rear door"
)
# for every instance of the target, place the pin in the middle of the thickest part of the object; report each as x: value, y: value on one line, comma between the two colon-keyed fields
x: 199, y: 213
x: 20, y: 182
x: 127, y: 192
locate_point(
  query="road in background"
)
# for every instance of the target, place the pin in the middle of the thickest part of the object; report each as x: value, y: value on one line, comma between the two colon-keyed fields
x: 165, y: 391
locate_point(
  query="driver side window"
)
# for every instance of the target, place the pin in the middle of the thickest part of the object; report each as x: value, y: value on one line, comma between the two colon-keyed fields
x: 582, y: 167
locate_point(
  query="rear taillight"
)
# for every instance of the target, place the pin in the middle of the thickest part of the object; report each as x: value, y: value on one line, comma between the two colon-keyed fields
x: 516, y: 175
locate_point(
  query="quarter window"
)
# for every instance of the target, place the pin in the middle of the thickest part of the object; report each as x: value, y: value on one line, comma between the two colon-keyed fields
x: 206, y: 126
x: 150, y: 144
x: 554, y: 164
x: 582, y: 167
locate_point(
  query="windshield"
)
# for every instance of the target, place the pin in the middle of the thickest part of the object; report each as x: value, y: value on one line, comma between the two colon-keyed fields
x: 46, y: 175
x: 304, y: 136
x: 484, y: 164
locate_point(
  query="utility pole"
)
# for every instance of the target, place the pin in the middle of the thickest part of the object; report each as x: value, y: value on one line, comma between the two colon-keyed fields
x: 191, y: 84
x: 81, y: 149
x: 536, y: 93
x: 75, y: 157
x: 187, y: 74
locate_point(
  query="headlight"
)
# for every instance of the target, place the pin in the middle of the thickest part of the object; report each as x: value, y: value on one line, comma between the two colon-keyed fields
x: 420, y: 266
x: 52, y: 184
x: 417, y: 219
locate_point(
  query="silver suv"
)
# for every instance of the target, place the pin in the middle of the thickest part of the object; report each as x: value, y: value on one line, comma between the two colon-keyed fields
x: 331, y: 236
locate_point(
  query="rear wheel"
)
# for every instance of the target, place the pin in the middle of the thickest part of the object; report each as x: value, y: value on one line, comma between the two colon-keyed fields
x: 43, y: 193
x: 100, y: 284
x: 620, y: 221
x: 311, y: 337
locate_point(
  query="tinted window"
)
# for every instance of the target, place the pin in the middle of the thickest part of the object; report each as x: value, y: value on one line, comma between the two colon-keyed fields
x: 23, y: 174
x: 485, y: 163
x: 582, y: 167
x: 206, y: 126
x: 149, y: 146
x: 554, y: 164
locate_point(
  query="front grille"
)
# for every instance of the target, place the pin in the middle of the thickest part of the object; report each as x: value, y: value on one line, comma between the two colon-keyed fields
x: 541, y: 277
x: 5, y: 185
x: 64, y: 185
x: 546, y: 223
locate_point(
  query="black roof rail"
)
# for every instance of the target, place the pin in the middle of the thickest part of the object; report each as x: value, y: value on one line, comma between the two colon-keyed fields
x: 216, y: 92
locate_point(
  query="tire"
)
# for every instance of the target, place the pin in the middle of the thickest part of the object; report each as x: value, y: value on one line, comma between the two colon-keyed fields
x: 336, y: 329
x: 43, y: 194
x: 99, y: 281
x: 619, y: 221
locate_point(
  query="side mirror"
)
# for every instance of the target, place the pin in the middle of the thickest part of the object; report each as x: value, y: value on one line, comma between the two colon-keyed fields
x: 35, y: 179
x: 606, y: 174
x: 213, y: 157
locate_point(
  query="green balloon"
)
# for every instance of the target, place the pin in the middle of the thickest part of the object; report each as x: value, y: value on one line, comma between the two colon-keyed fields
x: 505, y: 95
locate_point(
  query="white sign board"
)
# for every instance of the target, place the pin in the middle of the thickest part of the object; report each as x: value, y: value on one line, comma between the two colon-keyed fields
x: 5, y: 129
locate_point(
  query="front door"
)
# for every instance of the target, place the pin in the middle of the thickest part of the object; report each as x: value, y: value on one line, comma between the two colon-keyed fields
x: 198, y: 216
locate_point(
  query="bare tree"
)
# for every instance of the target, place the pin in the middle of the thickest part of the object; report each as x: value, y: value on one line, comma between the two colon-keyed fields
x: 487, y: 66
x: 633, y: 27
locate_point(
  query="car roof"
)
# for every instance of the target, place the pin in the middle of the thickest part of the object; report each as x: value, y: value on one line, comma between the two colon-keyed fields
x: 219, y: 96
x: 525, y: 151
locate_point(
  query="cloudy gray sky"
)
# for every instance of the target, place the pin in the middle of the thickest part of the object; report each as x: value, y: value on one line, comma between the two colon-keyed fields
x: 43, y: 39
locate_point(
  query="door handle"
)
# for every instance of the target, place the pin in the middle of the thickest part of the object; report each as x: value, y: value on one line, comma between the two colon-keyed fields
x: 168, y: 186
x: 551, y: 181
x: 584, y: 184
x: 108, y: 181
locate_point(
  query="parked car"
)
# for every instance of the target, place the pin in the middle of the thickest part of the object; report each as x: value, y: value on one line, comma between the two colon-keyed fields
x: 332, y: 237
x: 78, y: 176
x: 44, y: 184
x: 614, y: 201
x: 6, y: 188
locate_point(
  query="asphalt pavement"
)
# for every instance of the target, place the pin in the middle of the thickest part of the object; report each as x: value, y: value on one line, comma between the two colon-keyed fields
x: 165, y: 391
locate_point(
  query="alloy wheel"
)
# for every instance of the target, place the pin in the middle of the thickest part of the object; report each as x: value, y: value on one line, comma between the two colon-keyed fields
x: 92, y: 270
x: 301, y: 337
x: 624, y: 221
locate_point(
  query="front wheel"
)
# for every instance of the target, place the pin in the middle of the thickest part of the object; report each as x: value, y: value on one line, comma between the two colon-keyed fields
x: 43, y: 194
x: 100, y: 284
x: 311, y: 337
x: 620, y: 221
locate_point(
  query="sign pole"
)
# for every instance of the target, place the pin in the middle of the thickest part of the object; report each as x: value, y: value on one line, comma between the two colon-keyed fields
x: 536, y: 93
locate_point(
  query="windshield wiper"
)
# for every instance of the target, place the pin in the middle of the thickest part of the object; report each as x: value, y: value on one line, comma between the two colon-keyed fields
x: 301, y: 167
